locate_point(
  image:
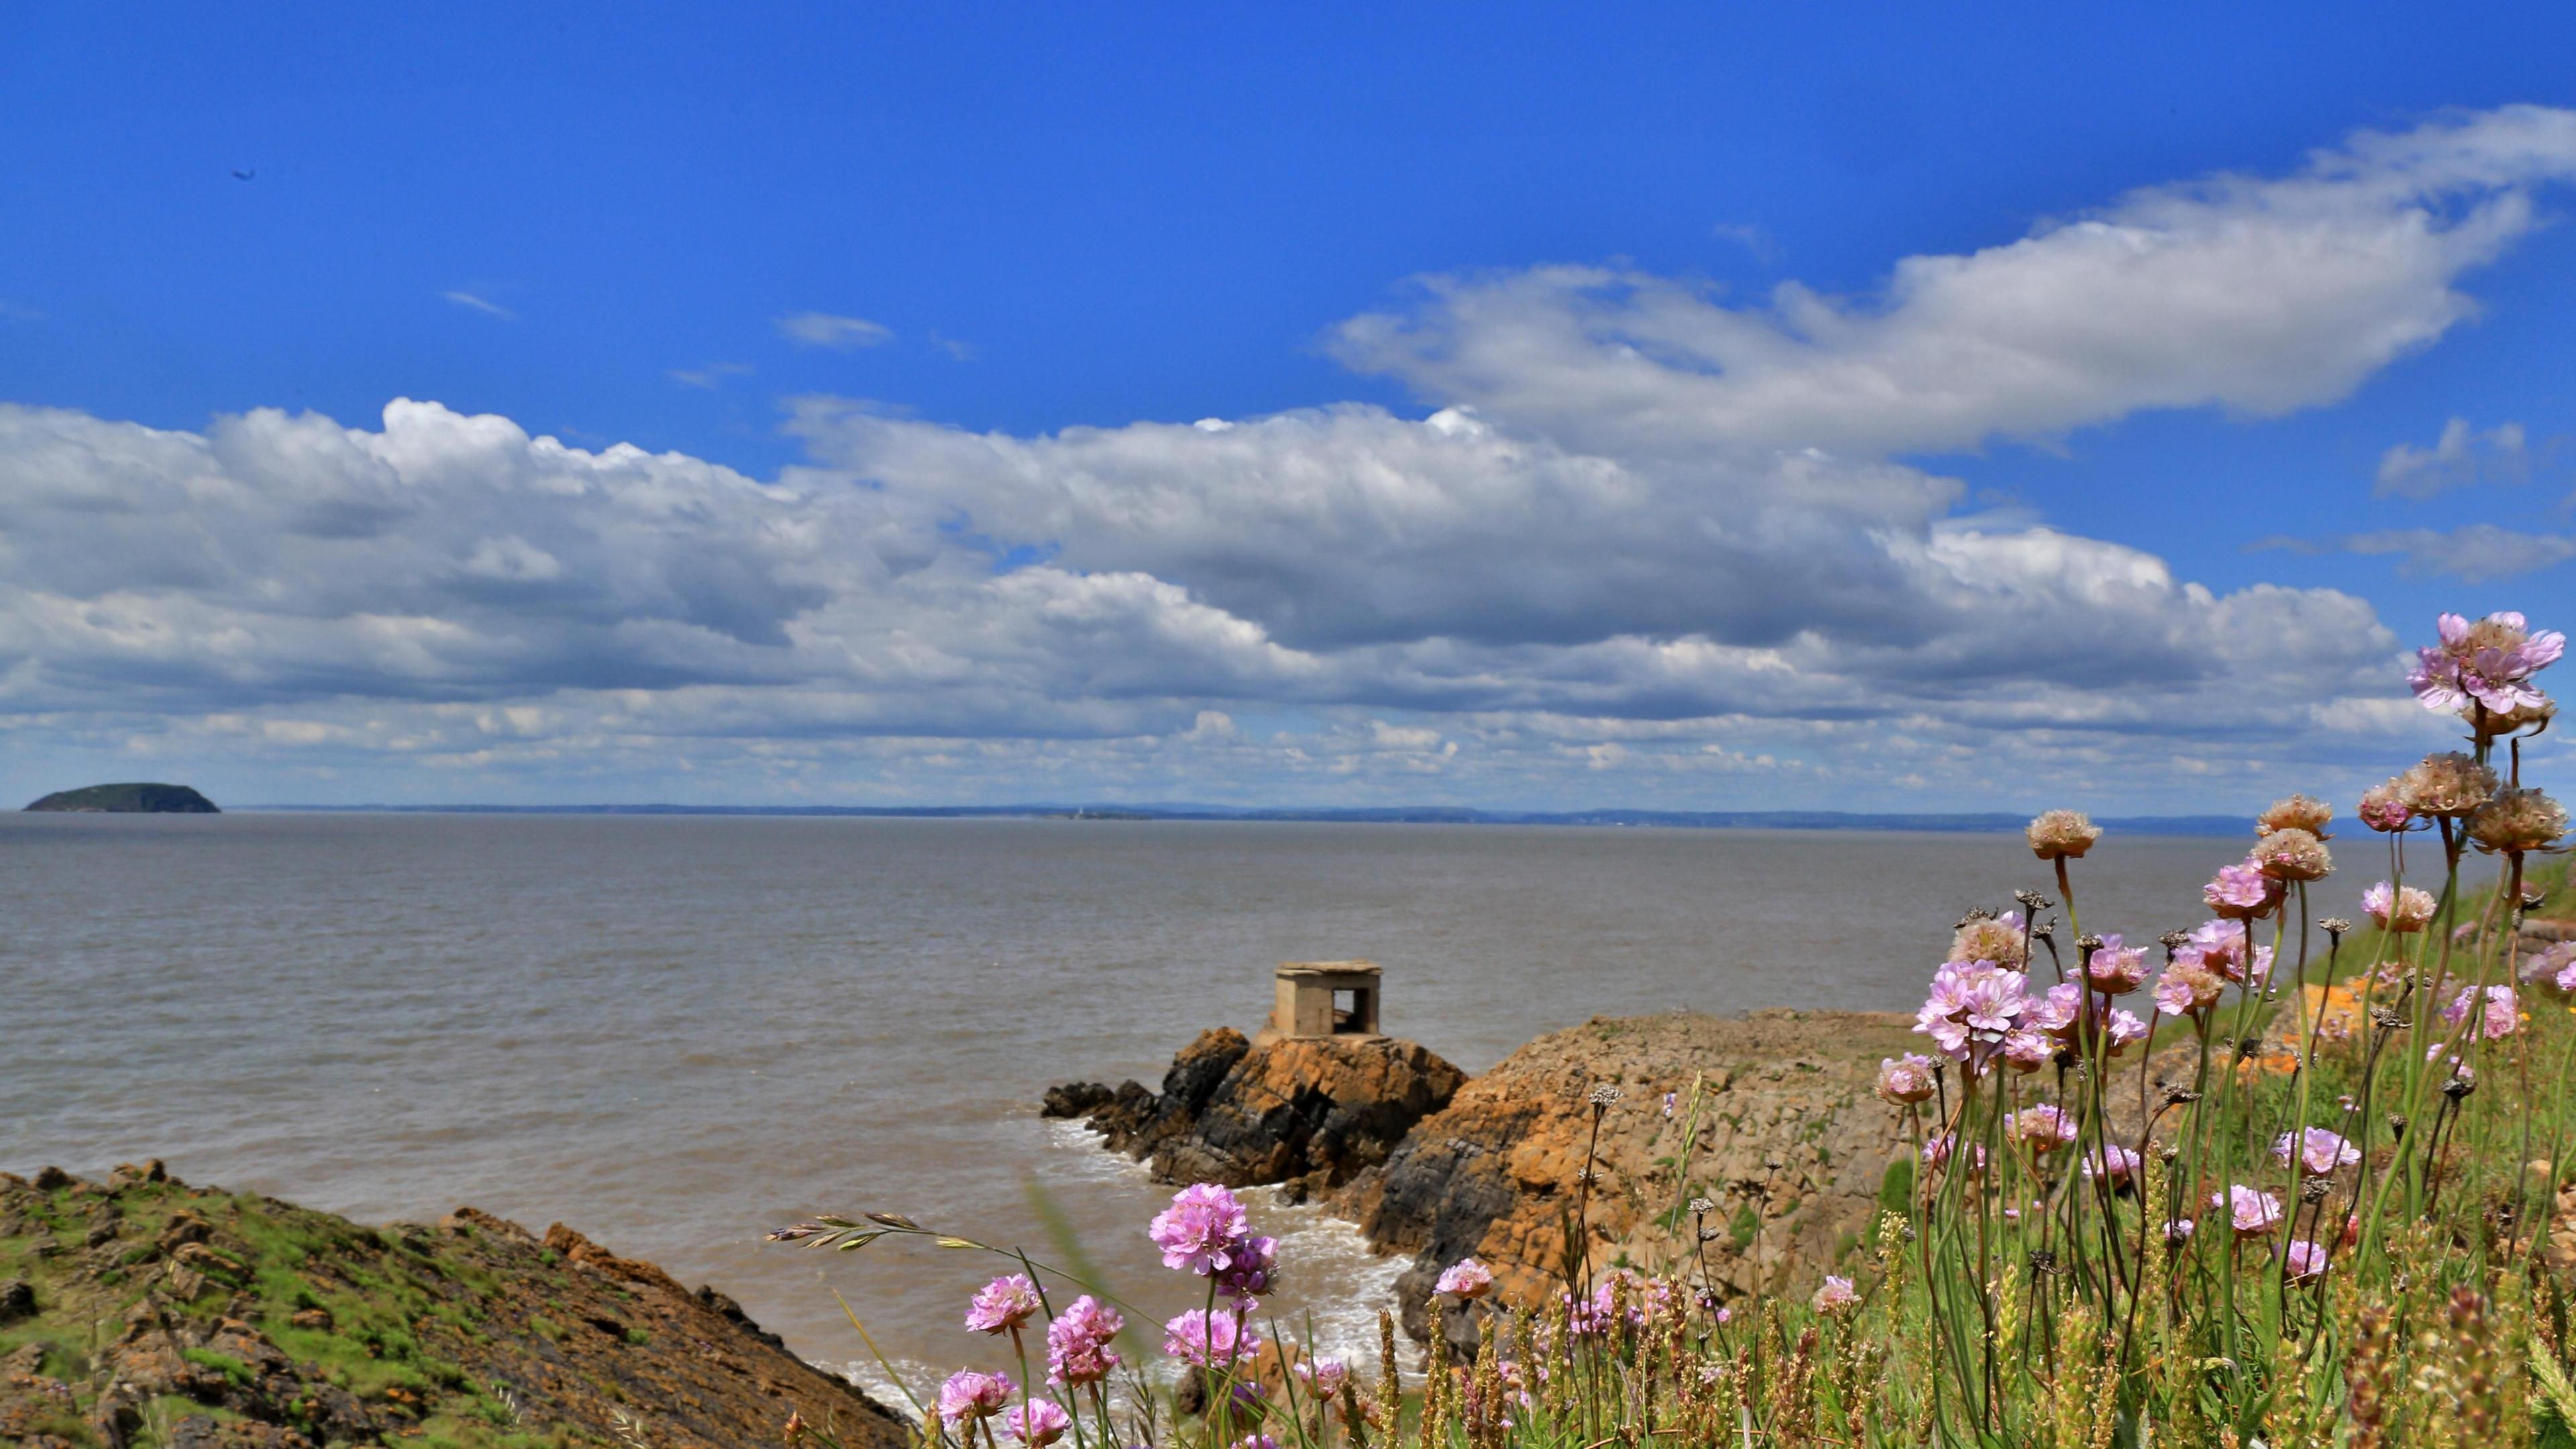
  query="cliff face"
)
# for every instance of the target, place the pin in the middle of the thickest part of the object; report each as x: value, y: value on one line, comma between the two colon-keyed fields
x: 140, y: 1311
x: 1307, y: 1113
x: 1794, y: 1150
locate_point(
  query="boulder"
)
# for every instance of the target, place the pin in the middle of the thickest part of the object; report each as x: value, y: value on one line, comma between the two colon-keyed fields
x: 1312, y: 1112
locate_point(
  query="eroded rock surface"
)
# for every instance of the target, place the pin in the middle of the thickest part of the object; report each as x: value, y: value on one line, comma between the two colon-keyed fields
x: 1308, y: 1113
x: 1794, y: 1151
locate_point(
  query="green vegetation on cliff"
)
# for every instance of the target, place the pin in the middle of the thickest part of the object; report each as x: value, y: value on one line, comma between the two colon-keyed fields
x: 142, y: 1312
x: 138, y: 798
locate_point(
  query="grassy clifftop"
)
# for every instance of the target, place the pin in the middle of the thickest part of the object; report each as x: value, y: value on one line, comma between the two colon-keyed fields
x: 142, y: 1312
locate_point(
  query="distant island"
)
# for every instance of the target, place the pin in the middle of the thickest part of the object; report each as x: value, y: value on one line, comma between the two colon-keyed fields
x: 133, y: 799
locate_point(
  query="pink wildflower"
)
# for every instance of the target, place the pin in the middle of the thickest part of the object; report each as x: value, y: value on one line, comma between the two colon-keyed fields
x: 2319, y: 1150
x: 1209, y: 1339
x: 2042, y: 1128
x: 1078, y: 1343
x: 1905, y: 1079
x: 2488, y: 662
x: 1936, y: 1155
x: 2392, y: 907
x: 2220, y: 946
x: 2119, y: 1165
x: 1325, y: 1376
x: 2254, y: 1211
x: 2116, y: 969
x: 2501, y: 1017
x: 1003, y: 1304
x: 971, y: 1395
x: 1465, y: 1278
x: 2383, y: 807
x: 2305, y: 1260
x: 2242, y: 891
x: 1252, y: 1269
x: 1971, y: 1008
x: 1836, y: 1296
x: 2178, y: 1231
x: 1201, y: 1229
x: 1037, y: 1423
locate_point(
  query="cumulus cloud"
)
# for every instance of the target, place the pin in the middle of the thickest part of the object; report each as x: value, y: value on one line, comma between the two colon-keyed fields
x: 841, y: 334
x: 1643, y: 535
x: 2457, y: 459
x: 2258, y: 295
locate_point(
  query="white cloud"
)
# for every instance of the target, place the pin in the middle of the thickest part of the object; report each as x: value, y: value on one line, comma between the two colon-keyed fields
x: 2261, y: 296
x: 1643, y: 534
x: 478, y: 304
x: 2475, y: 553
x: 2457, y: 459
x: 709, y: 377
x: 841, y: 334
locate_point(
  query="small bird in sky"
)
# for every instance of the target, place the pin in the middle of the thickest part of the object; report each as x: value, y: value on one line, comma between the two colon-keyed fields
x: 244, y: 175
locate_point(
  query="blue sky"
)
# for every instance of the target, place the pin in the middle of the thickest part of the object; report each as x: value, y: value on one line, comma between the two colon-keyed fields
x: 1485, y: 529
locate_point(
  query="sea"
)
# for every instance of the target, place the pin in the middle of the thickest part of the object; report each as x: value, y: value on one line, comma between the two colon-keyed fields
x: 677, y: 1032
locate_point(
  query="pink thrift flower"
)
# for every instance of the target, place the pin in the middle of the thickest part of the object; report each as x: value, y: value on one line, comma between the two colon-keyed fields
x: 1905, y: 1079
x: 1037, y: 1423
x: 2120, y: 1165
x: 2242, y: 891
x: 2178, y: 1231
x: 1836, y: 1296
x: 2501, y: 1017
x: 1252, y: 1269
x: 2397, y: 908
x: 2042, y: 1128
x: 2254, y: 1211
x: 1078, y: 1341
x: 1465, y: 1278
x: 1209, y: 1339
x: 2125, y: 1031
x: 2115, y: 969
x: 971, y: 1395
x: 1003, y: 1304
x: 2320, y: 1151
x: 1937, y: 1149
x: 1200, y: 1229
x: 1324, y: 1376
x: 2219, y: 946
x: 2306, y: 1261
x: 2028, y: 1051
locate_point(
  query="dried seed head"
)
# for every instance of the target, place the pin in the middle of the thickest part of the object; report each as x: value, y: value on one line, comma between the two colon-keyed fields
x: 1602, y: 1097
x: 2314, y: 1189
x: 2032, y: 900
x: 2061, y: 834
x: 1702, y: 1207
x: 2459, y: 1087
x: 2088, y: 943
x: 2335, y: 926
x: 2174, y: 940
x: 2299, y: 812
x: 2176, y: 1096
x: 2397, y: 1124
x: 2387, y: 1019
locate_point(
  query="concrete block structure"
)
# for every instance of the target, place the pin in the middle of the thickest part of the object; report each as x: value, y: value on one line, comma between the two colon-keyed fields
x: 1325, y: 998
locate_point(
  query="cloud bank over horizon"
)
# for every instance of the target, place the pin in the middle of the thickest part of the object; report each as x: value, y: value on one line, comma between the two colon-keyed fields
x: 1648, y: 547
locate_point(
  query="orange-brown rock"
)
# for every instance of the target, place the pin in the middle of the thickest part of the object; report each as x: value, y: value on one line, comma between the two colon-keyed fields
x: 1307, y: 1112
x: 1793, y: 1149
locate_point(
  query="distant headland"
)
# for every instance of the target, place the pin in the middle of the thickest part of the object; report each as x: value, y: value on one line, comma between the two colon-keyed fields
x: 133, y: 799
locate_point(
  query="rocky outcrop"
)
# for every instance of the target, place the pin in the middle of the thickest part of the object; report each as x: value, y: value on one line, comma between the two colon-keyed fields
x: 1793, y: 1151
x: 1307, y: 1113
x: 142, y: 1312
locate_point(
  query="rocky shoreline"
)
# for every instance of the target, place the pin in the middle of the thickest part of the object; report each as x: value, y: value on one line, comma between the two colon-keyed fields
x: 1795, y: 1150
x: 139, y: 1311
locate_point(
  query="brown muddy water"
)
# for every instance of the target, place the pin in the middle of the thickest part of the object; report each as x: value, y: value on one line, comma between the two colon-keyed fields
x: 676, y: 1032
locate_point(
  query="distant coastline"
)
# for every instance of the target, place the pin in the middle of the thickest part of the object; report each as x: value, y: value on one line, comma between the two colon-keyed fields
x: 1989, y: 823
